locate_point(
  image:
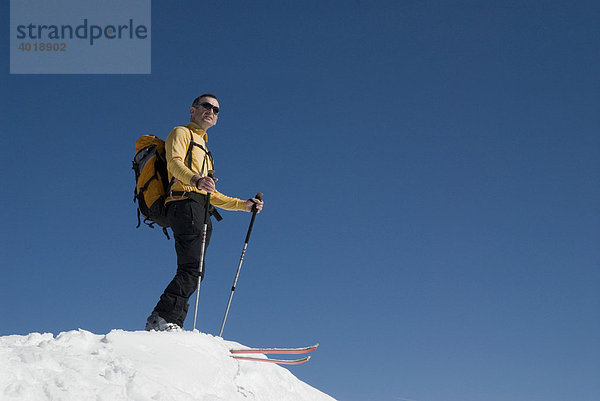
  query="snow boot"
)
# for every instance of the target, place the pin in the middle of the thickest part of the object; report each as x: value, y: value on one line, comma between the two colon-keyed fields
x: 157, y: 323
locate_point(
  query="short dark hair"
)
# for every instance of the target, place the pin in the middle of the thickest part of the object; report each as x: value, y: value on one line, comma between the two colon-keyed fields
x: 196, y: 101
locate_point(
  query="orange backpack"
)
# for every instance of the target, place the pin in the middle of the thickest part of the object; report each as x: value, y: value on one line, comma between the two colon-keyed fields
x: 151, y: 181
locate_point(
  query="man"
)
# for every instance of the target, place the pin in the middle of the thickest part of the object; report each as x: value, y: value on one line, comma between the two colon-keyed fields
x: 188, y: 163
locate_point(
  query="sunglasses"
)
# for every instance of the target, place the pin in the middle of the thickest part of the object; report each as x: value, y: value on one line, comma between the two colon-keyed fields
x: 209, y: 106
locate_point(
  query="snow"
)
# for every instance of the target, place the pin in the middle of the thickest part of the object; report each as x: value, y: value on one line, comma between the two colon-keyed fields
x: 158, y: 366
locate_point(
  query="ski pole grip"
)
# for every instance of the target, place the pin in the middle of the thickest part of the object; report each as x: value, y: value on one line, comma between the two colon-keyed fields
x: 258, y: 196
x: 211, y: 173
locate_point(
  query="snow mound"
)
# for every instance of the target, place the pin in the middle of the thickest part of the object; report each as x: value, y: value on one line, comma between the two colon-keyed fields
x: 184, y: 366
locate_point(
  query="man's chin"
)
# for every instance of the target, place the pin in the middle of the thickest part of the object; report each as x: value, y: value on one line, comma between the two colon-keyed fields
x: 205, y: 125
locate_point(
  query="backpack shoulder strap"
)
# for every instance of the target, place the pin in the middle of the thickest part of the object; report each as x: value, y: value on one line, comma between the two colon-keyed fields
x: 206, y: 151
x: 189, y: 151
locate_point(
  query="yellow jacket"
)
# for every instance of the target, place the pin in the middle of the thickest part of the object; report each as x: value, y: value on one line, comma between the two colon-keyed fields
x: 176, y: 148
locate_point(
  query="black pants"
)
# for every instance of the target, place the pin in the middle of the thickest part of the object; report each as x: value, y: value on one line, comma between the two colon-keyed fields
x: 186, y: 218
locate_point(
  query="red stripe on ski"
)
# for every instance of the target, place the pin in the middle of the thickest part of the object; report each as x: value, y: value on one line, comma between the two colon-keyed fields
x: 275, y: 350
x: 277, y: 361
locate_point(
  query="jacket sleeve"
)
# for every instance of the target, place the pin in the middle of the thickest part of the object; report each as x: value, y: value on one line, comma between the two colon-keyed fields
x: 226, y: 202
x: 176, y: 147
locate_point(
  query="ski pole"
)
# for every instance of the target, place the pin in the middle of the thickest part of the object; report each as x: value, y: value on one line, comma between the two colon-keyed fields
x: 203, y: 248
x: 237, y: 274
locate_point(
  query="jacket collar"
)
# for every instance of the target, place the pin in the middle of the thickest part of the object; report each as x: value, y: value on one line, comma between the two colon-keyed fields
x: 197, y: 130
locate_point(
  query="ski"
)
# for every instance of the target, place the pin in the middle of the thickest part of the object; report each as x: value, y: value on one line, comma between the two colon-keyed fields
x: 277, y: 361
x: 290, y: 351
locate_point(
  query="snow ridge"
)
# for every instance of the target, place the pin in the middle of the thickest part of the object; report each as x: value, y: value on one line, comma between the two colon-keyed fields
x: 139, y: 366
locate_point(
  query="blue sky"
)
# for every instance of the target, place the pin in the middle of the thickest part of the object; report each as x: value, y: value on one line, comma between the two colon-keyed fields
x: 430, y: 172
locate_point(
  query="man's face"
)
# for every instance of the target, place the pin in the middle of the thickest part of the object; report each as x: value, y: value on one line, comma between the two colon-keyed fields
x: 203, y: 113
